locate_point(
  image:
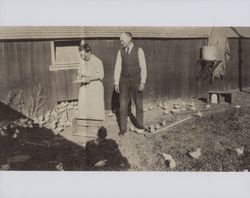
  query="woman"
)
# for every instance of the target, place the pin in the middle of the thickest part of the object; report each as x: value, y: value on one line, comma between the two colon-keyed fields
x: 91, y: 93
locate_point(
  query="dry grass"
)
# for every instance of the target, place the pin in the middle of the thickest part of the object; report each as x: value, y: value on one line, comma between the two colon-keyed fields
x: 30, y: 107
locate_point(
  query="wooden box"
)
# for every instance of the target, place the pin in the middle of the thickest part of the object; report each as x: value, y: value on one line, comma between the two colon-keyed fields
x: 86, y: 128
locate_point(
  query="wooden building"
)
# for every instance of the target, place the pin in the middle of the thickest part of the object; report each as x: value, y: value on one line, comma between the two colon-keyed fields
x: 47, y: 56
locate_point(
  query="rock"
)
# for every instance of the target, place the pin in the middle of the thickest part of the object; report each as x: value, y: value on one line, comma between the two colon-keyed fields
x: 198, y: 114
x: 41, y: 123
x: 61, y: 124
x: 59, y: 106
x: 195, y: 154
x: 157, y: 126
x: 159, y: 105
x: 163, y: 123
x: 30, y: 122
x: 165, y: 107
x: 208, y: 106
x: 176, y: 106
x: 70, y: 106
x: 150, y: 108
x: 101, y: 163
x: 17, y: 131
x: 237, y: 106
x: 75, y: 107
x: 152, y: 128
x: 145, y: 109
x: 14, y: 136
x: 75, y: 103
x: 61, y: 110
x: 245, y: 170
x: 5, y: 167
x: 2, y: 132
x: 239, y: 151
x: 46, y: 120
x: 4, y: 127
x: 12, y: 126
x: 170, y: 160
x: 63, y: 104
x: 47, y: 114
x: 25, y: 125
x: 59, y: 167
x: 53, y: 124
x: 53, y: 113
x: 36, y: 120
x: 58, y: 130
x: 192, y: 108
x: 68, y: 123
x: 166, y: 112
x: 41, y: 118
x: 174, y: 111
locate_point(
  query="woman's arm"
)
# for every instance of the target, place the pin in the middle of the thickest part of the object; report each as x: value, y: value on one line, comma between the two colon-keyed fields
x: 99, y: 74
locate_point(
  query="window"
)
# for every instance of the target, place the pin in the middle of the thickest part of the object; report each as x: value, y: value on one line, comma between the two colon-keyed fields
x: 65, y: 54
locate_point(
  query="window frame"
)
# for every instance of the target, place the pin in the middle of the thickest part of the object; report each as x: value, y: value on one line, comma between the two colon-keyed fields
x: 61, y: 66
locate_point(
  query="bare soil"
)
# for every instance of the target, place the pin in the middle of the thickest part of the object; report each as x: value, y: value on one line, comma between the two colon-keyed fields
x: 218, y: 132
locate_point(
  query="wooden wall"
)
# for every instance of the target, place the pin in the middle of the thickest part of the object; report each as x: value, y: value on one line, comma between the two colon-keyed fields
x: 231, y: 78
x: 24, y: 65
x: 245, y: 62
x: 171, y: 68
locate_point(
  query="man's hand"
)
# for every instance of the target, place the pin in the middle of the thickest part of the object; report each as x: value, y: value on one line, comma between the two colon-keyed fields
x: 141, y: 87
x: 117, y: 88
x: 101, y: 163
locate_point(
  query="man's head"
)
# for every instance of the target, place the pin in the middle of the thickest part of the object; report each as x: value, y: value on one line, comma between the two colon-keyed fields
x: 125, y: 38
x: 85, y: 51
x: 102, y: 133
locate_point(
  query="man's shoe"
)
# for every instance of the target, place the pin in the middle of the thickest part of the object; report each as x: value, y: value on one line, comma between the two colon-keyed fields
x: 140, y: 131
x: 121, y: 133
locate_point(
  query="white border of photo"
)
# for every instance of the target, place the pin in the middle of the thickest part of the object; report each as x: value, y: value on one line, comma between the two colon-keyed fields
x: 124, y: 13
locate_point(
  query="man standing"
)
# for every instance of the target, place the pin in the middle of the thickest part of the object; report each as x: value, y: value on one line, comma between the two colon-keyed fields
x: 130, y: 78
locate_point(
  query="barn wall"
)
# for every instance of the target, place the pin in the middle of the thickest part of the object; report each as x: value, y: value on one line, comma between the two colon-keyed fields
x: 231, y: 78
x: 171, y: 68
x: 171, y: 65
x: 245, y: 62
x: 24, y: 65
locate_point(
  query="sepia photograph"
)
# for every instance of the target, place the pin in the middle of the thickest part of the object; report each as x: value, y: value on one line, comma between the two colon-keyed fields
x: 118, y: 99
x: 125, y: 98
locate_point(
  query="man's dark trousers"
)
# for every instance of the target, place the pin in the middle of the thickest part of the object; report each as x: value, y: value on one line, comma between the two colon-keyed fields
x: 129, y: 87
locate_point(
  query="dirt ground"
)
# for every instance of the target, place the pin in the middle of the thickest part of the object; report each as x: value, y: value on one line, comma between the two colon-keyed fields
x: 218, y: 131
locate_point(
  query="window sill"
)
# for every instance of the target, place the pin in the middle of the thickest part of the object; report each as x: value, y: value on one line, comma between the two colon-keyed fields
x: 63, y: 66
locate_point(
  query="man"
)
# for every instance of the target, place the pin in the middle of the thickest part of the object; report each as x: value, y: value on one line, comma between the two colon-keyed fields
x: 130, y: 78
x: 103, y: 153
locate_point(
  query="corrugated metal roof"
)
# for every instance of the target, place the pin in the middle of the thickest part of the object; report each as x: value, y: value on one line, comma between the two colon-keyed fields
x: 56, y: 32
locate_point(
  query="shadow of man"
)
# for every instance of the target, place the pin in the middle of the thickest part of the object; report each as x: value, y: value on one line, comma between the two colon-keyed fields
x: 104, y: 154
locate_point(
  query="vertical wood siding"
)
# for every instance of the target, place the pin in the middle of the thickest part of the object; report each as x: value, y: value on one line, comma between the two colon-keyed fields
x: 171, y: 67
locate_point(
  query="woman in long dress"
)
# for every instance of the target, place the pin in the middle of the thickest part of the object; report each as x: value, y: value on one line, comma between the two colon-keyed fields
x: 91, y: 93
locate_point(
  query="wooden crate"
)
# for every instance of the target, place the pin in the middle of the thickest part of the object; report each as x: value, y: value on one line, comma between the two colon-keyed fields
x: 223, y: 96
x: 86, y: 128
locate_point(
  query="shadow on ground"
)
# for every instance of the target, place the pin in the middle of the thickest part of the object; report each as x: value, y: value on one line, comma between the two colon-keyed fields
x: 40, y: 149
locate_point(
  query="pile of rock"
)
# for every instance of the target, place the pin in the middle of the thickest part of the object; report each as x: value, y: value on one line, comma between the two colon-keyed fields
x: 12, y: 128
x: 57, y: 120
x: 176, y: 106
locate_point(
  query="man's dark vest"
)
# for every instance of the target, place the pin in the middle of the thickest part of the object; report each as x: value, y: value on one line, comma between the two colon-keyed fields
x: 130, y: 62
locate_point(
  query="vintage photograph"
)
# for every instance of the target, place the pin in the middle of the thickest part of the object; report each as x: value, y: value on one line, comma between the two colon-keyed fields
x: 124, y: 98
